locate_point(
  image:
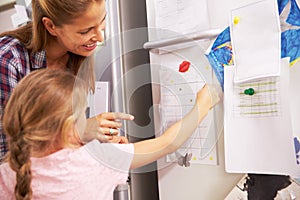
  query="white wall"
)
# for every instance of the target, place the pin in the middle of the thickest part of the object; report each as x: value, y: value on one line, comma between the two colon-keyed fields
x: 6, y: 23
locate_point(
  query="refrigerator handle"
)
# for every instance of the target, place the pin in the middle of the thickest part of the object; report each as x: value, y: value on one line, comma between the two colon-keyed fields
x: 207, y: 34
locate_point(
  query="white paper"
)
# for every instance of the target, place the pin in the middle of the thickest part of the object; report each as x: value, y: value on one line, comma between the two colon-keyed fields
x: 180, y: 17
x: 255, y: 36
x: 21, y: 11
x: 261, y: 141
x: 20, y: 17
x: 178, y: 94
x: 99, y: 102
x: 16, y: 20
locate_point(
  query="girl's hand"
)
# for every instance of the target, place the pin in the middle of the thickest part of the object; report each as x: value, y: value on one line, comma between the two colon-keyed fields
x: 208, y: 96
x: 118, y: 139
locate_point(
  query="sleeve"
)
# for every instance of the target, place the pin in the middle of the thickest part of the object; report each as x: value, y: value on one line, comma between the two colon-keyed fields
x: 9, y: 77
x: 112, y: 155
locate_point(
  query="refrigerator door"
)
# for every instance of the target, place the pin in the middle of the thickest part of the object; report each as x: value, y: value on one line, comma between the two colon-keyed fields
x: 199, y: 181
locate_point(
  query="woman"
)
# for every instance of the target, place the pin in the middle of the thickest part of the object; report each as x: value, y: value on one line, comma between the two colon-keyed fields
x: 62, y: 35
x: 47, y: 159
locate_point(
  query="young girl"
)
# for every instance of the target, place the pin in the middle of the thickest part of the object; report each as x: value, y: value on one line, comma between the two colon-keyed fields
x: 45, y: 121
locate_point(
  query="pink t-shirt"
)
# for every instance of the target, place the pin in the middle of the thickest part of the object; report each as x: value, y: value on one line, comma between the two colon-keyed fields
x: 90, y: 172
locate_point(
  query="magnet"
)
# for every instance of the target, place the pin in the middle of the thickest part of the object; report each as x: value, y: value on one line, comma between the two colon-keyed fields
x: 236, y: 20
x: 249, y: 91
x: 184, y: 66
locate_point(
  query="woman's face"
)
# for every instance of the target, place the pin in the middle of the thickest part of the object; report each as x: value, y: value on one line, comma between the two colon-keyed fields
x: 81, y: 36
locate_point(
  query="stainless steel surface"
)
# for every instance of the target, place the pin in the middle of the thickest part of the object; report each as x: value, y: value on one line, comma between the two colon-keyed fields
x: 113, y: 32
x: 138, y: 96
x: 121, y: 192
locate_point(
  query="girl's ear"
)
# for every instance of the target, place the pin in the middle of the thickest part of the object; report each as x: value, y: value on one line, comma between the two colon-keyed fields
x: 49, y: 25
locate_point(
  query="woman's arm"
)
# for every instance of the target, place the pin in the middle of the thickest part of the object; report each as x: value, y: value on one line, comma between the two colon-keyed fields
x: 148, y: 151
x: 9, y: 79
x: 99, y: 127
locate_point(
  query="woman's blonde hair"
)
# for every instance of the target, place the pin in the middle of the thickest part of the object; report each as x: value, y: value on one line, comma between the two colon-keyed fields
x: 36, y: 37
x: 40, y: 113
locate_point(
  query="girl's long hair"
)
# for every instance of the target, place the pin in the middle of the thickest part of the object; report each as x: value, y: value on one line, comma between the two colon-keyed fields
x: 40, y: 112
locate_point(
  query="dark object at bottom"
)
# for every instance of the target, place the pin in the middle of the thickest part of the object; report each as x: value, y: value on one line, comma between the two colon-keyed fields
x: 265, y: 187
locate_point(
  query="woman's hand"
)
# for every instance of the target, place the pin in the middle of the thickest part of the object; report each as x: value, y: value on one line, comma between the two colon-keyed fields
x: 103, y: 126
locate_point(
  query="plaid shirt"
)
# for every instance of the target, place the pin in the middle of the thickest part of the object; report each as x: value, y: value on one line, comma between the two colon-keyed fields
x: 16, y: 62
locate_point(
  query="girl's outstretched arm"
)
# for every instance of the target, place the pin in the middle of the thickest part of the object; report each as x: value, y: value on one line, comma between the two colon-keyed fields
x: 150, y: 150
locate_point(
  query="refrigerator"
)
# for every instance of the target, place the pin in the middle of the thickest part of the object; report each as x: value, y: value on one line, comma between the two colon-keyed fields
x: 129, y: 61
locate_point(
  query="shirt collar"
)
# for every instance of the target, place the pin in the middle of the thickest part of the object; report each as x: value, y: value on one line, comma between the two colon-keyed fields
x: 38, y: 59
